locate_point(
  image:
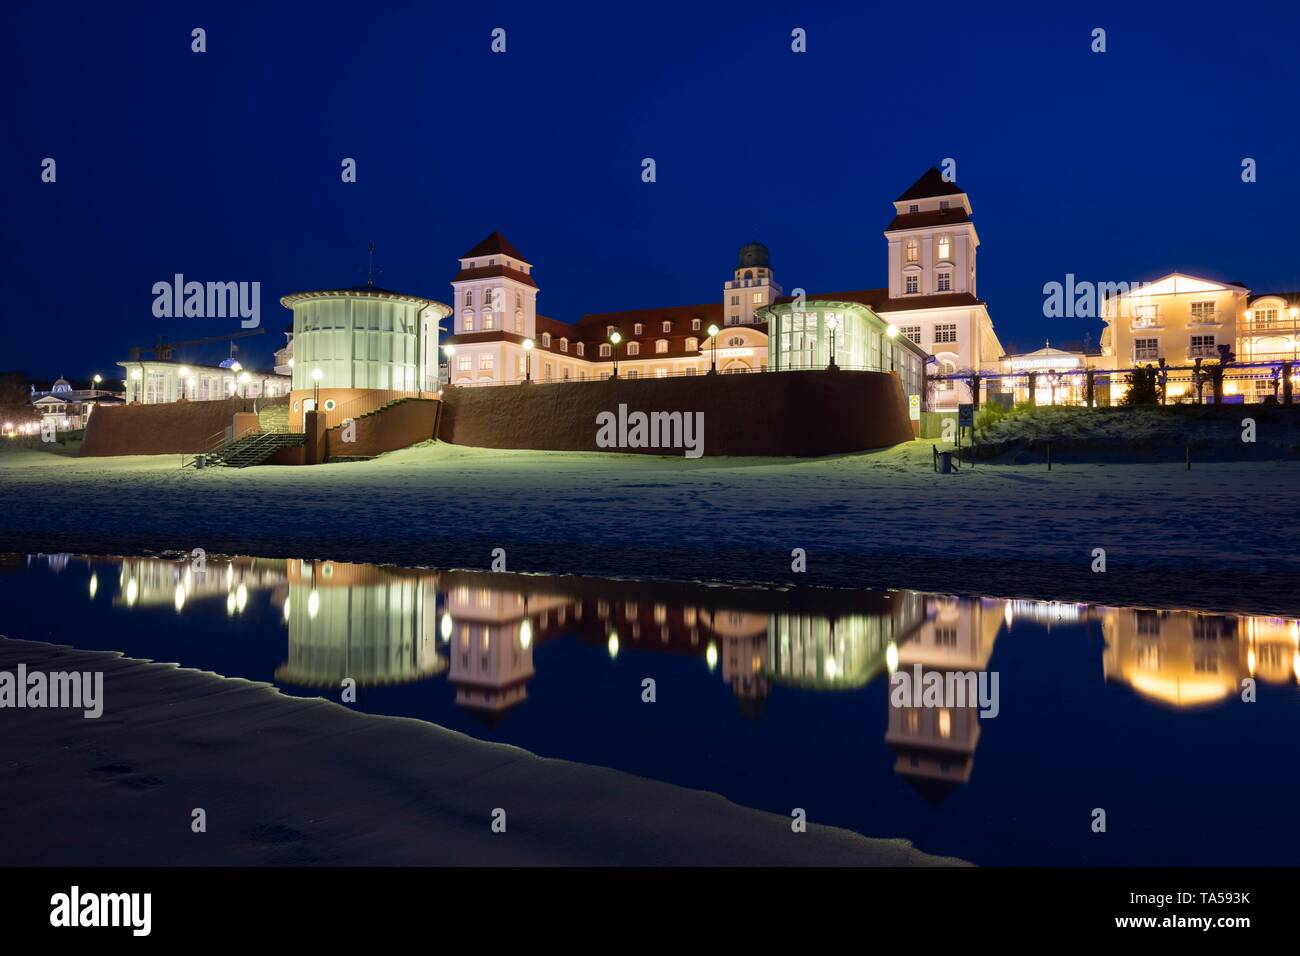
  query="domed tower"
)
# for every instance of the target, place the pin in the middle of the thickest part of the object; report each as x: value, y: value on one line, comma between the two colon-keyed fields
x: 753, y: 286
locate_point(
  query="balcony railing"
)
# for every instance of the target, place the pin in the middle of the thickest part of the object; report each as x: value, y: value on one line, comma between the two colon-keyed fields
x: 1203, y: 351
x: 1148, y: 322
x: 1204, y: 318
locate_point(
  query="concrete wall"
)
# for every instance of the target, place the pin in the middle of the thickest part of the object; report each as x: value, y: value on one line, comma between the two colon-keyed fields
x: 172, y: 428
x: 774, y: 413
x: 398, y: 426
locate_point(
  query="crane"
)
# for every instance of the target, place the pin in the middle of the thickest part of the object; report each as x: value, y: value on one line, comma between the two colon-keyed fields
x: 163, y: 350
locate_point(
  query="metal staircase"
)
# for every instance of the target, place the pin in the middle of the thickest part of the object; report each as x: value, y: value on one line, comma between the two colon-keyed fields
x: 255, y: 449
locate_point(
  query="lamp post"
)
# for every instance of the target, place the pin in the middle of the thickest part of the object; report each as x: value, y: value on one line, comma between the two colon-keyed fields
x: 528, y: 360
x: 713, y: 334
x: 450, y: 351
x: 244, y: 380
x: 181, y: 375
x: 315, y: 395
x: 831, y: 323
x: 615, y: 337
x: 97, y: 379
x: 891, y: 333
x: 136, y: 376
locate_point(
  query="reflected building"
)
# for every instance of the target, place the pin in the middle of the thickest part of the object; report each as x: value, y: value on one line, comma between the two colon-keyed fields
x: 935, y: 746
x: 375, y: 625
x: 160, y: 582
x: 1191, y: 659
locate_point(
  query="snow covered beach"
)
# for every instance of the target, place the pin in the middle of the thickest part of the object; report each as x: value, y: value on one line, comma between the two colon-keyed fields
x: 1219, y: 536
x: 337, y: 787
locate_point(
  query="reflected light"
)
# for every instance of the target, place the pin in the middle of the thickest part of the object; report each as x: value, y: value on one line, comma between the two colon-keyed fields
x: 613, y: 645
x: 230, y: 603
x: 891, y: 657
x: 94, y: 584
x: 446, y: 626
x: 179, y: 599
x: 711, y: 655
x: 525, y: 634
x: 286, y: 609
x: 241, y: 598
x: 313, y: 604
x: 132, y: 592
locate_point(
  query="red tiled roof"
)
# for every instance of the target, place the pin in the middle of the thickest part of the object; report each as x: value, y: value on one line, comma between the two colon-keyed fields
x: 495, y: 244
x: 492, y: 272
x: 878, y: 300
x: 930, y: 185
x: 934, y: 217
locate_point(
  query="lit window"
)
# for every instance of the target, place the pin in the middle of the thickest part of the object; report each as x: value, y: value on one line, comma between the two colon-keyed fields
x: 564, y: 345
x: 485, y: 363
x: 667, y: 326
x: 695, y: 325
x: 546, y: 340
x: 692, y: 344
x: 945, y: 247
x: 913, y: 251
x: 605, y: 351
x: 489, y: 321
x: 661, y: 347
x: 945, y: 333
x: 1146, y: 350
x: 465, y: 363
x: 633, y: 348
x: 582, y: 349
x: 638, y: 329
x: 467, y: 322
x: 758, y: 298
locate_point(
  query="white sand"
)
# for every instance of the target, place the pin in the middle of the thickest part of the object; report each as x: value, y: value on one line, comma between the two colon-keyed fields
x: 291, y: 781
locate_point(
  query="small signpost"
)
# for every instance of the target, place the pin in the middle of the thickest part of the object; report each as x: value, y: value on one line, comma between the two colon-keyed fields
x: 914, y: 407
x: 966, y: 421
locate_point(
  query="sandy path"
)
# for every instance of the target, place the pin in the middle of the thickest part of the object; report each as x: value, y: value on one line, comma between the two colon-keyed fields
x: 291, y: 781
x: 1221, y: 536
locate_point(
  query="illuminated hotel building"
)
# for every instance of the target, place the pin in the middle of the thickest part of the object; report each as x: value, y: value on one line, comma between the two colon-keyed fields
x: 930, y: 301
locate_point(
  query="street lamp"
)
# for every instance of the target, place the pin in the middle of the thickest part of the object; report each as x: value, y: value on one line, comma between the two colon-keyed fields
x: 615, y: 337
x: 97, y: 379
x: 528, y: 360
x: 891, y: 332
x: 315, y: 395
x: 831, y: 324
x: 713, y: 334
x: 183, y: 373
x: 450, y: 352
x: 136, y: 376
x: 244, y: 379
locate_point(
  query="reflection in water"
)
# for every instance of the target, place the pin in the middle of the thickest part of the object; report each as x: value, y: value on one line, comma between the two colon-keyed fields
x: 385, y: 625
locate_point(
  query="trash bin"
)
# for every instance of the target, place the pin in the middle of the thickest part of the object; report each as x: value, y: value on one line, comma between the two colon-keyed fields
x: 945, y: 463
x: 200, y: 461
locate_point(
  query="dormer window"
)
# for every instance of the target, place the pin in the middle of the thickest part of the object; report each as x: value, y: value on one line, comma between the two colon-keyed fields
x: 604, y: 350
x: 581, y: 350
x: 661, y: 347
x: 633, y: 348
x: 668, y: 326
x: 913, y: 250
x: 610, y: 330
x: 638, y: 329
x: 564, y: 345
x: 913, y: 209
x: 945, y: 247
x: 546, y: 340
x: 695, y: 325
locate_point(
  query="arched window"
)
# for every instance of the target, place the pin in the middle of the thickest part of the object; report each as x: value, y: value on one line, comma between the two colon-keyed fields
x: 582, y: 349
x: 604, y: 351
x: 546, y: 340
x: 469, y: 296
x: 638, y: 329
x: 667, y: 326
x: 695, y: 325
x: 633, y: 348
x: 692, y: 344
x: 661, y: 347
x: 564, y: 345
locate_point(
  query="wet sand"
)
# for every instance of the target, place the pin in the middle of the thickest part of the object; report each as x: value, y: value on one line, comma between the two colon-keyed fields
x: 288, y: 781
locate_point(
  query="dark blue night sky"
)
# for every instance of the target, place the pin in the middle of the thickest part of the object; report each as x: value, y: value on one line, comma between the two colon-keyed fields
x: 225, y: 166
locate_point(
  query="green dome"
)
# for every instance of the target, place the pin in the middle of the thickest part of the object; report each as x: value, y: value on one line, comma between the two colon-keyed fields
x: 754, y: 255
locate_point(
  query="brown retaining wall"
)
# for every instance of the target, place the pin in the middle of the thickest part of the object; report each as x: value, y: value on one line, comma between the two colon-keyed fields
x: 398, y: 426
x: 773, y: 413
x: 173, y: 428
